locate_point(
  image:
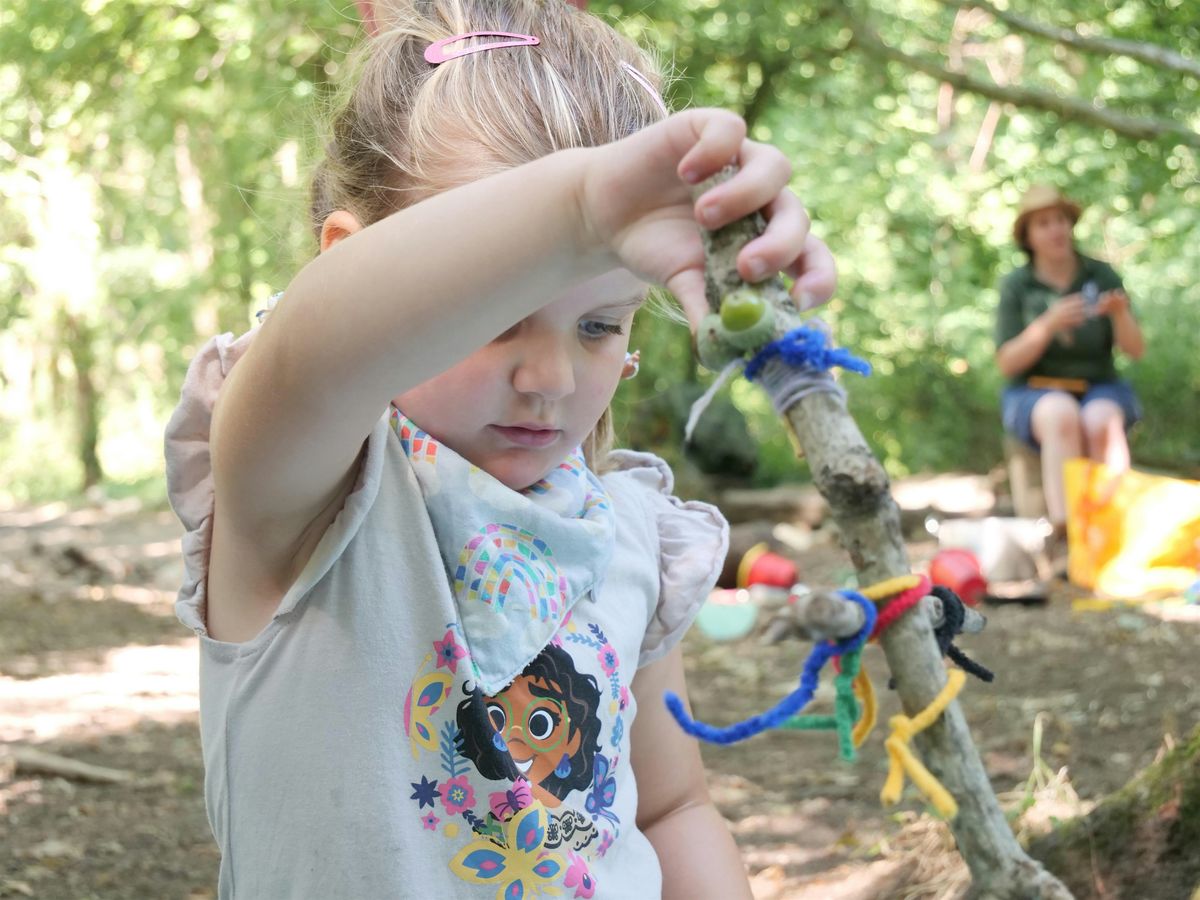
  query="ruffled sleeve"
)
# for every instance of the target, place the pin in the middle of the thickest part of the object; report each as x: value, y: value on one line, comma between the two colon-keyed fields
x: 693, y: 539
x: 189, y: 466
x: 190, y: 485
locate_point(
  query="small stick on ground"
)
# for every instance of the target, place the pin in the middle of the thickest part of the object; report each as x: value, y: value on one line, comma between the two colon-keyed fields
x: 31, y: 761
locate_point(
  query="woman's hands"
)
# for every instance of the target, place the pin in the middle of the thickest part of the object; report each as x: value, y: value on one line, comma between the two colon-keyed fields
x: 1071, y: 311
x: 1066, y: 313
x: 636, y: 201
x: 1112, y: 303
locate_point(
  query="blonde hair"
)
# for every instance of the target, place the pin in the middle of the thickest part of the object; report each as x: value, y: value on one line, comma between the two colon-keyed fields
x: 406, y: 130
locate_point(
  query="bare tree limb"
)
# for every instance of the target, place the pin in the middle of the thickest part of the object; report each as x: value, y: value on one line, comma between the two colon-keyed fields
x: 1151, y: 54
x: 1070, y: 108
x: 825, y: 615
x: 851, y: 479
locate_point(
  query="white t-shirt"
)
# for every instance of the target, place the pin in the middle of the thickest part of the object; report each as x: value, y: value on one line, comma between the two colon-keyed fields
x: 346, y: 752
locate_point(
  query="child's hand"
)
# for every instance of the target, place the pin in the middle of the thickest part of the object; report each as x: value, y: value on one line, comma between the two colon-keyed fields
x: 635, y: 200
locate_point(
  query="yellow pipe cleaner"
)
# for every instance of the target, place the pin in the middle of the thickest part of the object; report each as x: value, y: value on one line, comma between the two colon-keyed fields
x: 865, y: 691
x: 891, y: 587
x: 863, y: 688
x: 901, y: 758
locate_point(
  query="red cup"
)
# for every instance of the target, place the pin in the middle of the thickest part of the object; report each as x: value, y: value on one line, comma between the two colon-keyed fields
x: 960, y: 571
x: 761, y: 566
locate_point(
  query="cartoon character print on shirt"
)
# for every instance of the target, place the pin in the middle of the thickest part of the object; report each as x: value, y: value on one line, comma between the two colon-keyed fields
x: 545, y: 745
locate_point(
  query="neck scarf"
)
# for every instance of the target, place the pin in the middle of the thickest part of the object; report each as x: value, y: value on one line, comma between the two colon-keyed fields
x: 517, y: 561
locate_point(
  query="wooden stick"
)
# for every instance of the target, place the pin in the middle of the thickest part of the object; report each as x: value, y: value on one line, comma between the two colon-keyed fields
x: 851, y: 479
x: 31, y: 761
x: 823, y: 615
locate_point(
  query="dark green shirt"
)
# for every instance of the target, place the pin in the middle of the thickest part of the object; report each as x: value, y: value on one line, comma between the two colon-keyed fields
x: 1088, y: 352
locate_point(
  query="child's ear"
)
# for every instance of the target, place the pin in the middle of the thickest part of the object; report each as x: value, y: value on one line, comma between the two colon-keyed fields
x: 337, y: 225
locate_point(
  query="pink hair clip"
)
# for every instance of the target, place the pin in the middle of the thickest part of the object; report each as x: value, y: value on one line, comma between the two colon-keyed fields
x: 436, y: 52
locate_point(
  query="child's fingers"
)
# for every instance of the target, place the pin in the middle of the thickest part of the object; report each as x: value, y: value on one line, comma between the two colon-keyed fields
x: 815, y: 272
x: 764, y: 172
x: 687, y: 286
x: 776, y: 249
x: 716, y: 136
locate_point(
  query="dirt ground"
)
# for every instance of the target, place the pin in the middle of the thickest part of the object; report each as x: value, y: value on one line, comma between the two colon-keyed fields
x: 94, y: 668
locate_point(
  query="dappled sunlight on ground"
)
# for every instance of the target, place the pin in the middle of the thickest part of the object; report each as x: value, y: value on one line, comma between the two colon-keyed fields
x: 1107, y: 686
x: 95, y: 669
x: 130, y: 685
x: 100, y: 770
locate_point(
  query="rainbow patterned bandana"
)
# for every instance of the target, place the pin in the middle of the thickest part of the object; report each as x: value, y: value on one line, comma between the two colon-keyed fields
x: 517, y: 561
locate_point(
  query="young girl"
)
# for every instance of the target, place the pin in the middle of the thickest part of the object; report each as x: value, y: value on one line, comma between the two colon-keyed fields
x: 437, y: 615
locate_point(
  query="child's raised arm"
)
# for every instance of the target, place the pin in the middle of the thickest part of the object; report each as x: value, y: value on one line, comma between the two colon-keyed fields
x: 411, y: 295
x: 373, y: 315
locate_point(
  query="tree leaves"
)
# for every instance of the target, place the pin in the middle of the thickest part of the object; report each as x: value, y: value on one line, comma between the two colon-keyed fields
x: 190, y: 125
x: 914, y: 182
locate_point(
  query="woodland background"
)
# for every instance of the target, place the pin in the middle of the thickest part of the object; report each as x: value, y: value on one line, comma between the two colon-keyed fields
x: 154, y: 159
x: 153, y: 166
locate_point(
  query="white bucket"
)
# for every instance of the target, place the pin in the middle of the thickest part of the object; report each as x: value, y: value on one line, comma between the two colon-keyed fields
x: 1007, y: 548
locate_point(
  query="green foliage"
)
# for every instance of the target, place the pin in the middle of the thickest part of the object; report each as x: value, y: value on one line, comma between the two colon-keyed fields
x: 153, y: 192
x: 156, y: 195
x: 894, y: 171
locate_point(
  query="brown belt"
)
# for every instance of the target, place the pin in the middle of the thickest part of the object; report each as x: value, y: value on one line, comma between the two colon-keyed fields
x: 1070, y: 385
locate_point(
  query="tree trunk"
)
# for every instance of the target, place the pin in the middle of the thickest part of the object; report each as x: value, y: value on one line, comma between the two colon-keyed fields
x: 81, y: 346
x: 1141, y: 841
x: 851, y: 479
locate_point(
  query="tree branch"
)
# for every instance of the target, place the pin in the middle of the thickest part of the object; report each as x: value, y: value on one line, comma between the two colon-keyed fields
x: 851, y: 479
x: 1151, y: 54
x: 1069, y: 108
x: 827, y: 615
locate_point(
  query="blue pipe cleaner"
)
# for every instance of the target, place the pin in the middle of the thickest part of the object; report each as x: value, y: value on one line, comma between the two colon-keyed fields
x: 793, y: 702
x: 806, y: 346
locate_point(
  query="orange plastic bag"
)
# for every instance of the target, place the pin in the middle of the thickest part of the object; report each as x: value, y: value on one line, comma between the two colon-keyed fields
x: 1131, y: 534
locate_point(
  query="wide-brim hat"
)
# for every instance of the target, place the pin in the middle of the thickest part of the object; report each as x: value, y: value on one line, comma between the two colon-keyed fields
x: 1037, y: 198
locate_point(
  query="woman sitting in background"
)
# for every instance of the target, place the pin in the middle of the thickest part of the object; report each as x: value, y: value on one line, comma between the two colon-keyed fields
x: 1060, y: 316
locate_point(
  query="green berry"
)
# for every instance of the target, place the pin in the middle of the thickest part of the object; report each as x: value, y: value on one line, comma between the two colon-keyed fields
x: 756, y: 335
x: 742, y: 309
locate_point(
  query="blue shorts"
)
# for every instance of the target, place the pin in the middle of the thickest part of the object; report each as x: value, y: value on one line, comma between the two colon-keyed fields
x: 1016, y: 406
